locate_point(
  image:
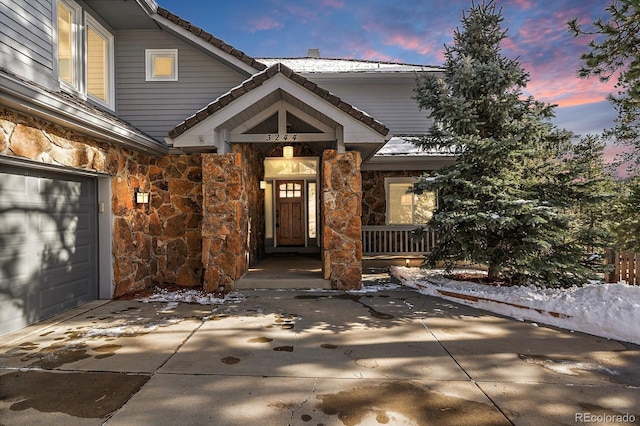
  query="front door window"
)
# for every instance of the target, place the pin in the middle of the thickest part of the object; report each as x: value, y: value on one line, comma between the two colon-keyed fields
x: 290, y: 209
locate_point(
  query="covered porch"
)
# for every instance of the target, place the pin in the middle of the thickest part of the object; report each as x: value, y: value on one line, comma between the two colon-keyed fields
x: 256, y: 202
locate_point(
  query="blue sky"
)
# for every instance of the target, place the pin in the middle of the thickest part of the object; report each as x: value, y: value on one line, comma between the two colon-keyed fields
x: 414, y: 31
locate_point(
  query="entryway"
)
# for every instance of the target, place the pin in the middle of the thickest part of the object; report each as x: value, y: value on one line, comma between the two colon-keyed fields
x: 290, y: 213
x: 291, y: 203
x: 285, y: 270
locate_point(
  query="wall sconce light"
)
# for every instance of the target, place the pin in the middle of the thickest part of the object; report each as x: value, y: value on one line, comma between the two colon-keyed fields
x: 406, y: 263
x: 141, y: 197
x: 287, y: 151
x: 263, y: 184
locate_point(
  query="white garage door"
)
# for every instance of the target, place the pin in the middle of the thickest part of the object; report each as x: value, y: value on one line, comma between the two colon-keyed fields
x: 48, y: 244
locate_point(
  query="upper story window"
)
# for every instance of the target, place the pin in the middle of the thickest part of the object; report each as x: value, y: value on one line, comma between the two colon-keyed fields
x: 406, y: 208
x: 85, y: 54
x: 161, y: 64
x: 68, y: 43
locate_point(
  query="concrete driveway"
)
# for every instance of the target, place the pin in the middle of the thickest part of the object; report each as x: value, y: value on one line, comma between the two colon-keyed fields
x: 311, y: 358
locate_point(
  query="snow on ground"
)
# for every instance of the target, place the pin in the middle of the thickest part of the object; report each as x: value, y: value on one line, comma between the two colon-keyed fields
x: 185, y: 296
x: 607, y: 310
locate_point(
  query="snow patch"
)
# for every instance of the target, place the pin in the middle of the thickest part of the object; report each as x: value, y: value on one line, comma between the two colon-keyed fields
x: 606, y: 310
x: 172, y: 298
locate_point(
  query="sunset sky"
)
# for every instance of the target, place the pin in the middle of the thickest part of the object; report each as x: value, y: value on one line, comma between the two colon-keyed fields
x: 414, y: 31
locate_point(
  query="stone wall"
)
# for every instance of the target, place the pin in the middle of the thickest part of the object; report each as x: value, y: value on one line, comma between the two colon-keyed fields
x: 175, y: 219
x: 29, y: 137
x: 253, y: 171
x: 341, y: 222
x: 133, y: 268
x: 374, y: 204
x: 158, y: 243
x: 225, y: 224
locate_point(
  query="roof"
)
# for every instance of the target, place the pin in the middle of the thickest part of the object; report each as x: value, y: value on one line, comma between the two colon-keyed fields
x: 404, y: 146
x: 209, y: 38
x: 328, y: 65
x: 261, y: 77
x: 72, y: 111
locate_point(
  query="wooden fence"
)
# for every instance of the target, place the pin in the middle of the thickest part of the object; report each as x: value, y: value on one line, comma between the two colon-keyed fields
x: 626, y: 267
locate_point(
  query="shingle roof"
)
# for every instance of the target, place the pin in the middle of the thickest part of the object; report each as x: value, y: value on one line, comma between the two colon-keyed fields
x: 341, y: 65
x: 260, y: 78
x: 209, y: 38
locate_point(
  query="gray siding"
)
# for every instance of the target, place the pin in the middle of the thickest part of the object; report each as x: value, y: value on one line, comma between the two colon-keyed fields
x: 392, y: 104
x: 157, y: 107
x: 26, y: 39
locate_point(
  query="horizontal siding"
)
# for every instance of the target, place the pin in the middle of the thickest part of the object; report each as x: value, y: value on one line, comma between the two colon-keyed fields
x: 157, y: 107
x: 26, y: 38
x: 392, y: 104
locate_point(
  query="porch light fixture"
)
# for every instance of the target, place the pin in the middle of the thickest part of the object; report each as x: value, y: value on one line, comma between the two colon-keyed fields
x: 141, y: 197
x: 263, y: 184
x: 287, y: 151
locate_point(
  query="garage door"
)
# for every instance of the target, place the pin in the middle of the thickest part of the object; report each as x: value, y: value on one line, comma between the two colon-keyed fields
x: 48, y: 245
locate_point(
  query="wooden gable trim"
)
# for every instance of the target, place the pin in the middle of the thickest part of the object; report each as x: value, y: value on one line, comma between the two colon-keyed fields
x: 260, y: 79
x: 281, y: 108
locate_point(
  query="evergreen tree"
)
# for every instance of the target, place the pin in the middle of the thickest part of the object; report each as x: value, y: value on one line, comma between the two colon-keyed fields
x: 504, y: 202
x: 615, y: 53
x: 593, y: 189
x: 627, y: 219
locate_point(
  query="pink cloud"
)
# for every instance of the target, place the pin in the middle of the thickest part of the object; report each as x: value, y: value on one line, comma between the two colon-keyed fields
x: 264, y: 23
x: 373, y: 55
x: 413, y: 43
x: 567, y: 90
x: 392, y: 37
x: 540, y: 31
x: 523, y: 4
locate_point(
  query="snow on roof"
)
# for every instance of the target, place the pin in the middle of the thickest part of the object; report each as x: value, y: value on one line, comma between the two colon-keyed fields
x: 327, y: 65
x: 404, y: 146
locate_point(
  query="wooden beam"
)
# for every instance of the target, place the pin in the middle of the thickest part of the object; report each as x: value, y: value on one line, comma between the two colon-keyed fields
x: 282, y: 138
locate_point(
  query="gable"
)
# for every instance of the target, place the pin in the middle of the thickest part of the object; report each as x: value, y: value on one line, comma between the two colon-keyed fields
x: 324, y: 119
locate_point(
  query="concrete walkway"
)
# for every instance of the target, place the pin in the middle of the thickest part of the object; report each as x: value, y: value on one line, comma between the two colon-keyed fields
x: 269, y: 357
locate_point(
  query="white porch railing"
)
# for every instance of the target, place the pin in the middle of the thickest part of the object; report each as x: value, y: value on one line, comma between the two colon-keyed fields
x: 395, y: 240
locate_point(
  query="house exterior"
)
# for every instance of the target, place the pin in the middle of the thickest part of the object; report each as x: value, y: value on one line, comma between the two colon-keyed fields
x: 137, y: 149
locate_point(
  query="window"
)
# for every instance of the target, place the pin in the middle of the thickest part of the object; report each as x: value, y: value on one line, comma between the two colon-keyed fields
x: 312, y: 209
x: 406, y: 208
x: 68, y: 44
x: 161, y: 64
x: 99, y: 54
x: 290, y: 190
x: 85, y: 58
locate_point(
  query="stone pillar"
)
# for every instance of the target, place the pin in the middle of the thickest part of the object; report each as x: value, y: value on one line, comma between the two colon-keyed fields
x: 341, y: 221
x: 225, y: 223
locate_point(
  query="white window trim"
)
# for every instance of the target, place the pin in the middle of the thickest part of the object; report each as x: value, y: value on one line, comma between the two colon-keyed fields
x: 150, y: 54
x: 76, y: 85
x: 104, y: 33
x: 396, y: 180
x: 81, y: 22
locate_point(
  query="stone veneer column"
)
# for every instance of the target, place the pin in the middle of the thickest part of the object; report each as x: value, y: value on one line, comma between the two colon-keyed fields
x: 225, y: 223
x: 341, y: 222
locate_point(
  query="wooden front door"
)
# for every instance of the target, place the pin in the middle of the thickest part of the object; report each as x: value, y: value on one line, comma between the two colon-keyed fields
x: 290, y: 227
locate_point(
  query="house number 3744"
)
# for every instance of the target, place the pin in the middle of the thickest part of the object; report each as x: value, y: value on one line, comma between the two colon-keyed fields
x: 275, y: 137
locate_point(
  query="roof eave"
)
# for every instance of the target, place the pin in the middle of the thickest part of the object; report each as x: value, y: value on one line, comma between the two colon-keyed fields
x: 35, y: 101
x: 259, y: 79
x: 407, y: 162
x: 226, y: 53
